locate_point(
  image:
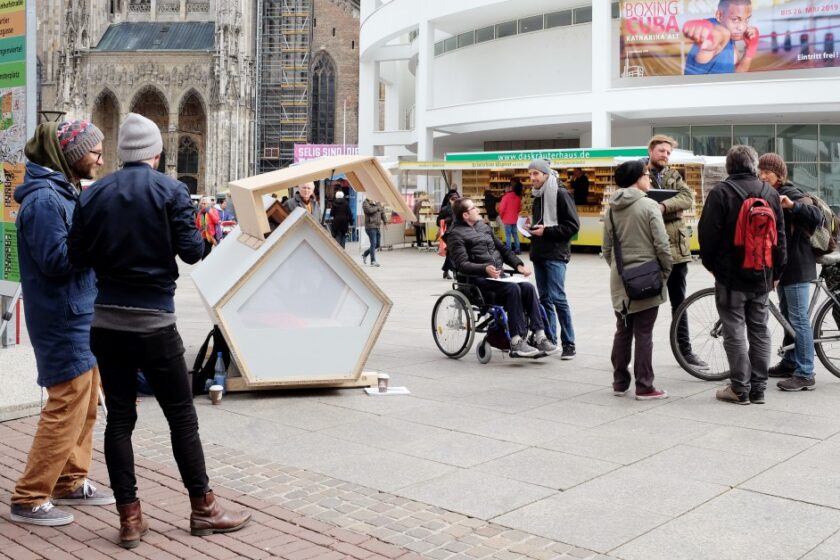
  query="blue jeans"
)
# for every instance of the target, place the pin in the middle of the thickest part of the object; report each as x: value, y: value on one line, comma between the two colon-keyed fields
x: 373, y: 235
x: 793, y: 303
x: 512, y: 233
x: 551, y: 283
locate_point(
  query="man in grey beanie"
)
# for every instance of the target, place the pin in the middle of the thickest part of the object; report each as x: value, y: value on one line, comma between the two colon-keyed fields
x: 554, y: 221
x: 134, y: 319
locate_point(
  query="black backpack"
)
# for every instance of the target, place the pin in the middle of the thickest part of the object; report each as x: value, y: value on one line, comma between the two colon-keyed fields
x: 201, y: 373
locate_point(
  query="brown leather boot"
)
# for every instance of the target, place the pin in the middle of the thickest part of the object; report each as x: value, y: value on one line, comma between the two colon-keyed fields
x: 209, y: 517
x: 132, y: 524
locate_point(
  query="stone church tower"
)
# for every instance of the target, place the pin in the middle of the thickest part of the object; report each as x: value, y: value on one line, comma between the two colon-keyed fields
x: 189, y: 65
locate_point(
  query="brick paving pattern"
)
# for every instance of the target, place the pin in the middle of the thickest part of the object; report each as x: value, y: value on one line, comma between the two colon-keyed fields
x: 298, y: 515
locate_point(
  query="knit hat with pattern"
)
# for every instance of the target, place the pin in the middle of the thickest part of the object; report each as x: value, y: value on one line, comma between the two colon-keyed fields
x: 775, y: 163
x: 139, y: 139
x: 77, y: 138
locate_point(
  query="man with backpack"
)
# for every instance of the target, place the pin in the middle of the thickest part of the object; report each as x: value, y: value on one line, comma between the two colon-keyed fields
x: 742, y: 243
x: 802, y: 217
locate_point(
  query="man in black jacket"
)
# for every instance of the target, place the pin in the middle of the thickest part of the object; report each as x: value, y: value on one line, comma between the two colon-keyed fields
x: 554, y: 222
x: 801, y: 219
x: 129, y: 227
x: 475, y: 251
x: 741, y: 294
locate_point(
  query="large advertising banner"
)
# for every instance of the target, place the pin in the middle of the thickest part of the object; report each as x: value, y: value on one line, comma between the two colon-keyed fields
x: 691, y: 37
x: 12, y: 126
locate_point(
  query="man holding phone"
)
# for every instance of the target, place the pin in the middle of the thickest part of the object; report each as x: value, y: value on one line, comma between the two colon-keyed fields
x: 554, y: 221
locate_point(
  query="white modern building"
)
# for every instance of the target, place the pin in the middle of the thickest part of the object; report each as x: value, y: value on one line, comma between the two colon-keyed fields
x: 442, y: 76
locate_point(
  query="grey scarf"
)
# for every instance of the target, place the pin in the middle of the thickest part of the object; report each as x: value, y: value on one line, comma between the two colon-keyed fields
x: 548, y: 193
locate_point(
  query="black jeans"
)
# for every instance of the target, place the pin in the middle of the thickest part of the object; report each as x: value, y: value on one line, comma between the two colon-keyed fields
x: 520, y: 302
x: 638, y: 326
x: 160, y: 355
x: 676, y: 293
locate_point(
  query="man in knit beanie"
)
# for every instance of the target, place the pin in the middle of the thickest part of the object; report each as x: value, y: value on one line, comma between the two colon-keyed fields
x: 554, y: 221
x: 801, y: 218
x: 133, y: 254
x: 58, y: 312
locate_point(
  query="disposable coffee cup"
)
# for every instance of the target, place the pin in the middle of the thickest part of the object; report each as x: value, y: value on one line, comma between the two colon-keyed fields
x: 382, y: 382
x: 216, y: 394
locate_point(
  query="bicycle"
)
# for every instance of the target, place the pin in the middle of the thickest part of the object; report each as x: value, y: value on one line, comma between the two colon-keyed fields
x: 706, y: 332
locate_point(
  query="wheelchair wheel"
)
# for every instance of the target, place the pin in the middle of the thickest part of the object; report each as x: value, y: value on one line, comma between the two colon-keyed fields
x: 453, y: 324
x: 484, y: 351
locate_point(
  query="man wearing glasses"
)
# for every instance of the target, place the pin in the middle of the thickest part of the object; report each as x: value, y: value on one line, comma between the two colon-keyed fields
x: 475, y: 251
x: 58, y: 311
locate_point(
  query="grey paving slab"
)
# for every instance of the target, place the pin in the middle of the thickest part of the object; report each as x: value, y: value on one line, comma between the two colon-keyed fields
x: 383, y: 470
x: 382, y: 432
x: 649, y: 489
x: 708, y: 465
x: 596, y: 525
x: 444, y: 415
x: 829, y: 549
x: 615, y: 448
x: 579, y: 414
x: 798, y: 480
x: 518, y: 429
x: 744, y: 441
x: 465, y: 491
x: 547, y: 468
x: 676, y: 430
x: 504, y: 400
x: 458, y: 449
x: 737, y: 525
x: 305, y: 413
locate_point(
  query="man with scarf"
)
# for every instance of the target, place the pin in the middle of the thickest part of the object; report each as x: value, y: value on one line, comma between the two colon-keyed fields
x: 554, y: 221
x: 59, y: 311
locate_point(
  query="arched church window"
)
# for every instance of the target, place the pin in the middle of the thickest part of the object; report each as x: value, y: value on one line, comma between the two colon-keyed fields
x: 187, y: 156
x: 322, y: 117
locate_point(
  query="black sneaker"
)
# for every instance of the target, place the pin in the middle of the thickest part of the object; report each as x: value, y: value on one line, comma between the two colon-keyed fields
x: 728, y: 394
x: 46, y: 515
x: 694, y: 360
x: 796, y: 383
x: 568, y: 352
x: 781, y: 370
x: 757, y: 396
x: 446, y: 275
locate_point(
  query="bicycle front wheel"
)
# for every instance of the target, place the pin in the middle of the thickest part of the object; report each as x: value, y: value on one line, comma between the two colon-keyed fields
x: 705, y: 333
x: 827, y: 336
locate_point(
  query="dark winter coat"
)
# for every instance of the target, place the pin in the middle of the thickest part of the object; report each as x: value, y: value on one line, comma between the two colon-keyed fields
x: 716, y: 232
x: 129, y: 227
x: 374, y: 214
x: 800, y: 223
x: 472, y: 248
x: 555, y: 242
x: 340, y: 215
x: 59, y: 297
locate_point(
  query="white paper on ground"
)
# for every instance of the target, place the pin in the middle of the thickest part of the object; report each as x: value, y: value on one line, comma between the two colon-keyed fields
x: 520, y: 225
x: 391, y: 391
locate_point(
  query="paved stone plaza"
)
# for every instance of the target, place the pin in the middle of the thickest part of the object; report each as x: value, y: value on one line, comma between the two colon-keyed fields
x: 521, y: 459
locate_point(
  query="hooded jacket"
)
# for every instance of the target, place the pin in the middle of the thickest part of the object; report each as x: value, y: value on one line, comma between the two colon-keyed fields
x: 59, y: 297
x: 641, y: 232
x: 340, y: 215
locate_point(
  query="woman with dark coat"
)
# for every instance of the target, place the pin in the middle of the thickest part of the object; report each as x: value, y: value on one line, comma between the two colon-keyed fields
x: 444, y: 221
x: 341, y: 218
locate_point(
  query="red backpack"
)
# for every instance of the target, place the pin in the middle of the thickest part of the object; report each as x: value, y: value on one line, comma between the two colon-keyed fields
x: 755, y: 229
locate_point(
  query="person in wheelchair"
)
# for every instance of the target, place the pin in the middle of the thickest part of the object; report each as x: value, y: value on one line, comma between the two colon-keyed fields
x: 476, y: 252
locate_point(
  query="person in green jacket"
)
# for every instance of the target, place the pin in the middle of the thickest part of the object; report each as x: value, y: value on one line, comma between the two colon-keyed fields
x: 641, y: 233
x: 664, y: 177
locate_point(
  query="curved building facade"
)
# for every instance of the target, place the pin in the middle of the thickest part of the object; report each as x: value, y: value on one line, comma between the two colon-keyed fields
x: 441, y: 76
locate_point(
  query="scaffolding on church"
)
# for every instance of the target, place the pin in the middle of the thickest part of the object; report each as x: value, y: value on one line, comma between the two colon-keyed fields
x: 282, y: 81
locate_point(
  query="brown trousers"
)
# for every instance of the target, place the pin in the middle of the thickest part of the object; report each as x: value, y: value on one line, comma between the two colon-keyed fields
x: 638, y: 326
x: 61, y: 451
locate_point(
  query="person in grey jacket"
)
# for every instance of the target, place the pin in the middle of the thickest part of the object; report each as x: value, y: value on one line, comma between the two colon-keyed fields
x: 374, y: 217
x: 641, y: 232
x: 305, y: 198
